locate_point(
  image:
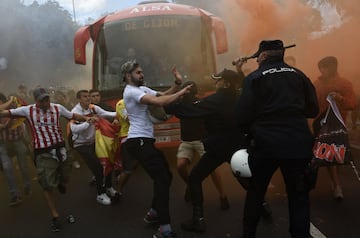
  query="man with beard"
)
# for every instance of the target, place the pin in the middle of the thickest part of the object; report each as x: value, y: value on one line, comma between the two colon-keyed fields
x: 273, y: 109
x: 140, y: 140
x: 52, y: 165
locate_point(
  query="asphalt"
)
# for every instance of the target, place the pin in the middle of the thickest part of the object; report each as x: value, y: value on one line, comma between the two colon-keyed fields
x: 330, y: 218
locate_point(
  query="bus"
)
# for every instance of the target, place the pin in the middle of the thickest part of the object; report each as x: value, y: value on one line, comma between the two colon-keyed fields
x: 158, y: 35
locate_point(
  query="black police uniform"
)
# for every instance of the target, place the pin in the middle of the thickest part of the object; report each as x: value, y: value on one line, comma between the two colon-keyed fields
x: 273, y: 109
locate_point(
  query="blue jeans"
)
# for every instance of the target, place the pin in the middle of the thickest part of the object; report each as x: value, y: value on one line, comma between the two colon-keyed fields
x: 21, y: 153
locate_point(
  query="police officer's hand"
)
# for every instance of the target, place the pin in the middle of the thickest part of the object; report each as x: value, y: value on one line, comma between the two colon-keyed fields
x: 239, y: 62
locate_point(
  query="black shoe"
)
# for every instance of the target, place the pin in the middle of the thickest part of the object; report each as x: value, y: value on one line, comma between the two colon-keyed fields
x: 158, y: 234
x: 150, y: 219
x: 194, y: 224
x: 224, y: 203
x: 266, y: 210
x: 55, y: 226
x: 61, y: 188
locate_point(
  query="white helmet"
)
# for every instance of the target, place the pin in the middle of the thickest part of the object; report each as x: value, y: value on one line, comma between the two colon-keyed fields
x: 239, y: 164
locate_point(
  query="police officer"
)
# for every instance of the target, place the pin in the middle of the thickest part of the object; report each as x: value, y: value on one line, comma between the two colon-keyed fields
x: 273, y: 109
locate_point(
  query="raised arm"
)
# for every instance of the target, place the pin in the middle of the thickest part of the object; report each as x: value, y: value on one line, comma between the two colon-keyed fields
x: 5, y: 105
x: 177, y: 83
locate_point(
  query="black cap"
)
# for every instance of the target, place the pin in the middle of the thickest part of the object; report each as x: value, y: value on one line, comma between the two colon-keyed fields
x: 229, y: 75
x: 40, y: 94
x: 269, y: 45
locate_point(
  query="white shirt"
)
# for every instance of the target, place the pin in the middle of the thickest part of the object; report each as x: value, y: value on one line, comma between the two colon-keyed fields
x: 140, y: 123
x: 84, y: 132
x: 45, y: 126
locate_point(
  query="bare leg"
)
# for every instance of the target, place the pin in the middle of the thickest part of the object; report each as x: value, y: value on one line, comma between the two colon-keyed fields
x: 182, y: 168
x: 333, y: 172
x: 216, y: 179
x: 51, y: 201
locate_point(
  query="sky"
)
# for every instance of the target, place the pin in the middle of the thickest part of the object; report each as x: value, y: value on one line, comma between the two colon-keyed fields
x: 90, y: 8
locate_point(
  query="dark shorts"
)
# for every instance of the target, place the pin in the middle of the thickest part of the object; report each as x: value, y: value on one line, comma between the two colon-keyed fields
x: 52, y: 172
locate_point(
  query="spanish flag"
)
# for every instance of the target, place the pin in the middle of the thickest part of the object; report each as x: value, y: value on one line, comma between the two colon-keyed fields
x: 106, y: 145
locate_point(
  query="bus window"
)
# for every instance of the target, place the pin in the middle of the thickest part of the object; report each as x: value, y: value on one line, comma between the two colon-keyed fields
x: 156, y: 43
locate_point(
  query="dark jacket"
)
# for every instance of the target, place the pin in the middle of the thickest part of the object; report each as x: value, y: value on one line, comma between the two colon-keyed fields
x: 217, y: 110
x: 192, y: 128
x: 273, y: 109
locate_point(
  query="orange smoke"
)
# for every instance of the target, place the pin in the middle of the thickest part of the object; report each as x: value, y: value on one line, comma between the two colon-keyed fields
x: 293, y: 21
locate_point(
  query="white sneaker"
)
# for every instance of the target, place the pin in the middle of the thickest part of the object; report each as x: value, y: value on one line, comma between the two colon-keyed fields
x: 112, y: 192
x: 103, y: 199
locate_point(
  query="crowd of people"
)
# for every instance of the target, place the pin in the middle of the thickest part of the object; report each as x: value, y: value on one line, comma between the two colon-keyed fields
x: 268, y: 112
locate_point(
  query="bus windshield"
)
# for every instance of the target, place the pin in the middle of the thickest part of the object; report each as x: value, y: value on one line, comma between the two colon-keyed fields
x: 156, y: 43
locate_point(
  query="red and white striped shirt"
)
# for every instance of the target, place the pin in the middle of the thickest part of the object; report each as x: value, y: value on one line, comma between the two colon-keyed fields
x: 45, y: 126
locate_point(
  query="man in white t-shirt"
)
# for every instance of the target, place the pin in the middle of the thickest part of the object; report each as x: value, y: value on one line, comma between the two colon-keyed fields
x: 52, y: 165
x: 140, y: 141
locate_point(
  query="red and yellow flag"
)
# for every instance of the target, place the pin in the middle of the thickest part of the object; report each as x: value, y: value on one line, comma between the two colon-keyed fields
x: 106, y: 145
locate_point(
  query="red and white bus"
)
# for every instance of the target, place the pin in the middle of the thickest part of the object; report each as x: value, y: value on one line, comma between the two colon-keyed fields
x: 158, y: 34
